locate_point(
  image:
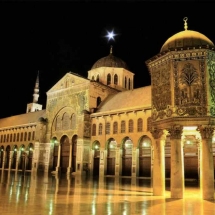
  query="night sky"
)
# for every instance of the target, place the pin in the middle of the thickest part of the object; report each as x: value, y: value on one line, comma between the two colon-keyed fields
x: 57, y: 37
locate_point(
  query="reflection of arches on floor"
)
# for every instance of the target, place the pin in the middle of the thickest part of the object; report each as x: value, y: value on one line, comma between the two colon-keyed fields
x: 55, y: 152
x: 7, y: 158
x: 1, y: 156
x: 65, y: 149
x: 96, y: 158
x: 21, y: 165
x: 127, y: 146
x: 30, y: 156
x: 190, y: 157
x: 145, y: 156
x: 74, y: 151
x: 14, y: 157
x: 111, y: 156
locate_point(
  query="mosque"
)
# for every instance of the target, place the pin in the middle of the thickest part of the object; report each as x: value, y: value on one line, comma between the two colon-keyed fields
x: 102, y: 126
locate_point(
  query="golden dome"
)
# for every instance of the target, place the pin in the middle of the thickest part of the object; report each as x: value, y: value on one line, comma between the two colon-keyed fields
x: 187, y: 39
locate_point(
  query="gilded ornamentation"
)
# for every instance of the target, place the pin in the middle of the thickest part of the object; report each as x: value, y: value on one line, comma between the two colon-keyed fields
x: 206, y: 131
x: 157, y: 133
x: 175, y: 131
x: 211, y: 69
x: 190, y: 90
x: 161, y: 96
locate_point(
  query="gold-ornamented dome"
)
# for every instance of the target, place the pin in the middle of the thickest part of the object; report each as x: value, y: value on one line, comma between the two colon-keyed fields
x: 187, y: 39
x: 110, y: 61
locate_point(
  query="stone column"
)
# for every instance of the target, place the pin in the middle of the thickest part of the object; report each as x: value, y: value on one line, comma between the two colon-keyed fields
x: 177, y: 162
x: 134, y: 159
x: 206, y: 163
x: 158, y: 176
x: 102, y: 162
x: 3, y: 160
x: 58, y: 158
x: 69, y: 169
x: 117, y: 161
x: 10, y: 159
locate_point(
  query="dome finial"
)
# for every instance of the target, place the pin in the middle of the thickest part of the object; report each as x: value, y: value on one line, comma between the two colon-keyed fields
x: 111, y: 49
x: 185, y: 23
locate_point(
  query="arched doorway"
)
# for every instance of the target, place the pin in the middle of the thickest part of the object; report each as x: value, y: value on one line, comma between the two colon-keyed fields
x: 191, y: 157
x: 22, y: 158
x: 74, y: 150
x: 7, y: 158
x: 127, y: 146
x: 96, y: 158
x: 145, y: 157
x: 30, y: 157
x: 14, y: 158
x: 65, y: 149
x: 111, y: 156
x: 54, y: 141
x: 1, y: 156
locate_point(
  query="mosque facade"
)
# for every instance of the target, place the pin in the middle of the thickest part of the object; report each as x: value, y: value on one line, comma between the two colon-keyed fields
x: 102, y: 126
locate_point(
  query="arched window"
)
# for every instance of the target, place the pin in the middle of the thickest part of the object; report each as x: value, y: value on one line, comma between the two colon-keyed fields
x: 130, y: 126
x: 58, y: 124
x: 125, y: 82
x: 17, y: 138
x: 107, y: 128
x: 129, y: 83
x: 25, y: 137
x: 33, y: 135
x: 108, y: 79
x: 116, y: 79
x: 115, y: 127
x: 21, y: 137
x: 29, y: 136
x: 99, y: 100
x: 149, y: 124
x: 93, y: 78
x: 100, y: 129
x: 123, y: 126
x: 66, y: 121
x: 94, y: 130
x: 139, y: 125
x: 97, y: 78
x: 73, y: 122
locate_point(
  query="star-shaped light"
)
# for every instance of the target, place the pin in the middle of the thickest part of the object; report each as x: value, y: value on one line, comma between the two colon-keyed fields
x: 110, y: 35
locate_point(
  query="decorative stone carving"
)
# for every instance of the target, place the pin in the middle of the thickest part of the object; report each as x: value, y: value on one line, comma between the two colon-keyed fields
x: 190, y: 90
x: 175, y: 131
x: 157, y: 133
x: 211, y: 69
x: 206, y: 131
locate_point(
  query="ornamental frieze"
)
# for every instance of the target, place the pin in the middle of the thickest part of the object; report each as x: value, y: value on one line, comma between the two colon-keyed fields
x: 211, y: 70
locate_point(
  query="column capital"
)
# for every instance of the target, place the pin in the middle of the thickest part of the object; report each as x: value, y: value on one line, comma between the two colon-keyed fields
x: 175, y: 131
x: 206, y: 131
x: 158, y: 133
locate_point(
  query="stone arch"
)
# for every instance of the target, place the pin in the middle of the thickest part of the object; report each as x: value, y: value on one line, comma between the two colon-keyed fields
x: 1, y: 156
x: 126, y: 156
x: 14, y: 157
x: 21, y: 163
x: 66, y: 121
x: 55, y: 143
x: 111, y: 147
x: 30, y: 150
x: 74, y: 152
x: 7, y: 157
x: 145, y: 147
x: 65, y: 152
x: 96, y: 157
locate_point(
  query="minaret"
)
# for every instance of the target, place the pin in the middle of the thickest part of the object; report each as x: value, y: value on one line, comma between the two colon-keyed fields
x: 32, y: 107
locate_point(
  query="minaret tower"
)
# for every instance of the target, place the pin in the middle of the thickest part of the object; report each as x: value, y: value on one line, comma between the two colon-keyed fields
x: 32, y: 107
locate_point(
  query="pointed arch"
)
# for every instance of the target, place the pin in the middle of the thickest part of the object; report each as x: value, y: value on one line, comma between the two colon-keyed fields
x: 116, y: 79
x: 109, y: 79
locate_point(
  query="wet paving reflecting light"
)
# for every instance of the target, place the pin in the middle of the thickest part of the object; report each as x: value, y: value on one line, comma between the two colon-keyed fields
x: 44, y: 194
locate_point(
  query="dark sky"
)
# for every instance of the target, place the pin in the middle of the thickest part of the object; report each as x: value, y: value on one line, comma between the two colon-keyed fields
x: 56, y: 37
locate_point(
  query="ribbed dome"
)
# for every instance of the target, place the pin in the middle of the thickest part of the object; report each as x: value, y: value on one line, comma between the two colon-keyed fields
x: 186, y: 39
x: 110, y: 61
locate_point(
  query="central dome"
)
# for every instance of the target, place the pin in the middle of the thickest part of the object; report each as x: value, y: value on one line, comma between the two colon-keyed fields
x: 186, y: 39
x: 110, y: 61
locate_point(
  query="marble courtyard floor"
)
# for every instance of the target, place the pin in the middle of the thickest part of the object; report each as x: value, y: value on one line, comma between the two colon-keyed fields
x: 42, y: 194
